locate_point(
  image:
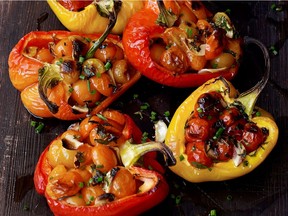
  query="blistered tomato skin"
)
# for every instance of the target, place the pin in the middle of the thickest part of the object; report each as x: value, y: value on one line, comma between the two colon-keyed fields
x: 255, y: 136
x: 219, y: 145
x: 79, y: 177
x: 167, y: 57
x: 68, y: 86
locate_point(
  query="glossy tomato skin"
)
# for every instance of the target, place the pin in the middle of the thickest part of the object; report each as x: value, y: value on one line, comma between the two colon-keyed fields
x: 137, y: 37
x: 253, y: 137
x: 214, y: 129
x: 60, y: 100
x: 214, y: 147
x: 73, y: 5
x: 197, y: 156
x: 134, y: 202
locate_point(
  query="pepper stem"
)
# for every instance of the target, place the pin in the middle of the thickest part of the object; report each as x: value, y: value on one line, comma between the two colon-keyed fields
x: 166, y: 18
x: 108, y: 9
x: 130, y: 153
x: 249, y: 97
x: 49, y: 76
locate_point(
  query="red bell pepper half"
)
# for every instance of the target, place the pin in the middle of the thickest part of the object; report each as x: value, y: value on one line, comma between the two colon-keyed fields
x: 69, y: 169
x: 187, y: 55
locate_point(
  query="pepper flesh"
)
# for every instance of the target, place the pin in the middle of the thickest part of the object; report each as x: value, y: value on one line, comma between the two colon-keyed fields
x: 151, y: 192
x: 142, y: 29
x: 24, y: 75
x: 89, y: 21
x: 220, y: 171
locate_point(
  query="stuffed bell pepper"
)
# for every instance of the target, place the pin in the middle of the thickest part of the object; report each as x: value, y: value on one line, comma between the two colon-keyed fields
x: 217, y: 134
x: 181, y: 44
x: 87, y: 16
x: 68, y: 75
x: 89, y: 169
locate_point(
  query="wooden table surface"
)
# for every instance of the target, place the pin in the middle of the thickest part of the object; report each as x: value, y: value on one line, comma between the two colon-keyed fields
x: 262, y: 192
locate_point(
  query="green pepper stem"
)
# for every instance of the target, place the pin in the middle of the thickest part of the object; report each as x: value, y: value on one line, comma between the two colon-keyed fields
x: 249, y: 97
x: 49, y: 76
x: 166, y: 18
x: 130, y: 153
x: 110, y: 10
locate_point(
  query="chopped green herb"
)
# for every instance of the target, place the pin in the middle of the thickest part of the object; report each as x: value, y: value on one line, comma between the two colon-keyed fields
x: 99, y: 166
x: 218, y: 133
x: 277, y: 8
x: 144, y: 106
x: 88, y: 39
x: 228, y: 11
x: 229, y: 197
x: 213, y: 212
x: 178, y: 200
x: 153, y: 115
x: 102, y: 117
x: 82, y: 77
x: 200, y: 166
x: 273, y: 50
x: 80, y: 157
x: 168, y: 46
x: 81, y: 184
x: 92, y: 91
x: 108, y: 65
x: 258, y: 113
x: 181, y: 157
x: 33, y: 123
x: 214, y: 65
x: 245, y: 163
x: 39, y: 128
x: 167, y: 113
x: 135, y: 96
x: 144, y: 137
x: 90, y: 181
x: 199, y: 109
x: 70, y: 89
x: 189, y: 32
x: 81, y: 59
x: 98, y: 74
x: 26, y: 207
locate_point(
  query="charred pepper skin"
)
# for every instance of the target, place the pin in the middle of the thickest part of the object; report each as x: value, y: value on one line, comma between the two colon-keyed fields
x: 156, y: 189
x: 220, y: 171
x: 24, y: 76
x: 137, y: 38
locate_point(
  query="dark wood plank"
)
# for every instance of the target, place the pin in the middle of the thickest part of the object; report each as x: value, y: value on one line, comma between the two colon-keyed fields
x: 262, y: 192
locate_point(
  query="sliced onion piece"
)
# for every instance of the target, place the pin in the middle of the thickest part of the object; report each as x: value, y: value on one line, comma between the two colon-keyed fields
x: 160, y: 131
x: 211, y: 70
x: 239, y: 154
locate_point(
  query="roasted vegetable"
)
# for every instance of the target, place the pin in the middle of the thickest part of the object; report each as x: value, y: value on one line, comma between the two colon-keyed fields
x: 217, y: 134
x: 181, y: 44
x: 87, y: 17
x: 84, y: 172
x: 57, y: 79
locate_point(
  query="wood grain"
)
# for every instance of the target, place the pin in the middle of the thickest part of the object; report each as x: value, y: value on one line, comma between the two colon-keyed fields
x: 263, y: 192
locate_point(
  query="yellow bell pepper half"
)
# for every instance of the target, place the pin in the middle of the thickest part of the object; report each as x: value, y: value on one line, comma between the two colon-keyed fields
x: 220, y: 171
x: 89, y: 21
